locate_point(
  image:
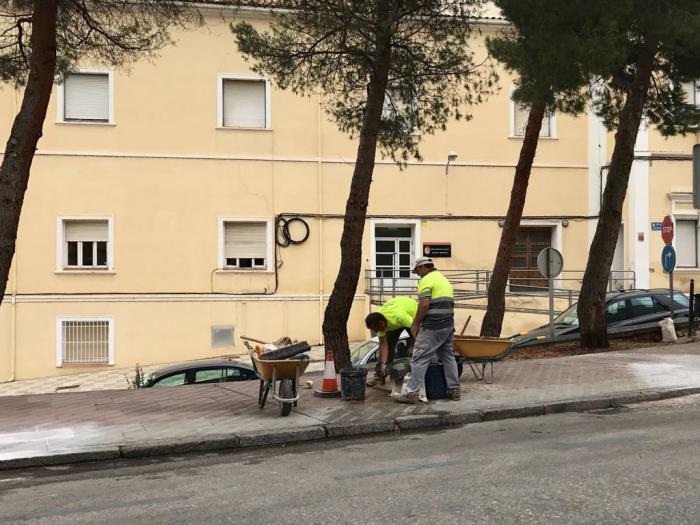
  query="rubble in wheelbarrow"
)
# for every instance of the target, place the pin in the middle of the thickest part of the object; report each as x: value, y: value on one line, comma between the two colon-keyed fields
x: 285, y: 352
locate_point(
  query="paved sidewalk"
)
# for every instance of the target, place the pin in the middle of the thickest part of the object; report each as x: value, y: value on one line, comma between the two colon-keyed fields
x: 111, y: 379
x: 83, y: 426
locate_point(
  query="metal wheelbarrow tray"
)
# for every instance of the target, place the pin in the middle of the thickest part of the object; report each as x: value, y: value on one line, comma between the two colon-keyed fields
x: 286, y: 371
x: 480, y: 352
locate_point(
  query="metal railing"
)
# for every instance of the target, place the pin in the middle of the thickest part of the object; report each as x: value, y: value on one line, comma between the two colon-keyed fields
x: 471, y: 287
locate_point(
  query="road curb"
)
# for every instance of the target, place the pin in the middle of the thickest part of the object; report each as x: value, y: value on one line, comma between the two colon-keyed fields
x: 322, y: 432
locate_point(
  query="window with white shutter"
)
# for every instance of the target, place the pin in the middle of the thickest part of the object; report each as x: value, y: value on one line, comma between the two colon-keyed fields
x: 85, y: 244
x: 692, y: 92
x: 520, y: 116
x: 685, y: 240
x: 86, y: 97
x: 245, y: 244
x: 244, y: 103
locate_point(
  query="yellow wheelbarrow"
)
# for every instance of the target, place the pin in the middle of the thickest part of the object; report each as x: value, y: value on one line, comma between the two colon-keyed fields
x: 480, y: 352
x: 284, y: 371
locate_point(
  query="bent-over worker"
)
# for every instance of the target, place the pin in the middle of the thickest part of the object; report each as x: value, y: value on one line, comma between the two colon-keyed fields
x: 394, y: 316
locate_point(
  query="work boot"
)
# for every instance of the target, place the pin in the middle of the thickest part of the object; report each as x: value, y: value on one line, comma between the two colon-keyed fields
x: 407, y: 398
x: 454, y: 394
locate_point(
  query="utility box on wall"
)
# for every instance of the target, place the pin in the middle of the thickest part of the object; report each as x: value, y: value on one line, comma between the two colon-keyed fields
x: 222, y: 336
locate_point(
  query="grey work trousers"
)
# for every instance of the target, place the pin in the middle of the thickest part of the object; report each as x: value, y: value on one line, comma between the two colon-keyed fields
x: 429, y: 343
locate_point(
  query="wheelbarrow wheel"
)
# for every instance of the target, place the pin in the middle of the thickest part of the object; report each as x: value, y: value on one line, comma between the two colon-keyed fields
x: 286, y: 392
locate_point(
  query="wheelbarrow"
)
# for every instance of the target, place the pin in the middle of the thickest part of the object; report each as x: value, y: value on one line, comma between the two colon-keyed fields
x: 284, y: 371
x: 482, y: 352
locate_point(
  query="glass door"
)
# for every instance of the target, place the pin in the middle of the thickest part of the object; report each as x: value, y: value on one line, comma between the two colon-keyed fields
x: 393, y: 248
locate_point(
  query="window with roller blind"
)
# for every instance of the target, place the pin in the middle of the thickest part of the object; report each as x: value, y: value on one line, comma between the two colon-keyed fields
x: 86, y: 97
x: 245, y: 244
x: 244, y: 103
x: 519, y: 116
x: 85, y: 244
x: 685, y: 240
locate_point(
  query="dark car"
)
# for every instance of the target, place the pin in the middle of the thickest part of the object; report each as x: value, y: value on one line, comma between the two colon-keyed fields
x: 200, y: 372
x: 624, y: 309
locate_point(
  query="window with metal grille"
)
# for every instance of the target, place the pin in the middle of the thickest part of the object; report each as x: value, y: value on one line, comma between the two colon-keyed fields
x: 85, y: 342
x: 244, y: 103
x: 86, y: 97
x: 245, y: 245
x: 85, y: 244
x: 520, y: 116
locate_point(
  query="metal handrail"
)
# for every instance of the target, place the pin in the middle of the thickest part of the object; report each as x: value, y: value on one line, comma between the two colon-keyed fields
x: 471, y: 286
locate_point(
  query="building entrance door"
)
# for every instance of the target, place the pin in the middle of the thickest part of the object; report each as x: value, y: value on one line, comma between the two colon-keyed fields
x: 393, y: 248
x: 524, y: 275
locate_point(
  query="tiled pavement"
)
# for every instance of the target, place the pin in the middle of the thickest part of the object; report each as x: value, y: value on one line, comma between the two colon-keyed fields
x: 59, y: 423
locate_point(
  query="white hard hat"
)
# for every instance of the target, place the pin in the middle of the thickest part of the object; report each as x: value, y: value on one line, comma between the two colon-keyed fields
x: 421, y: 261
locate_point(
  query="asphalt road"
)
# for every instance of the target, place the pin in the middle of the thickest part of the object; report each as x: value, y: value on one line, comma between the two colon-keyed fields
x: 636, y: 465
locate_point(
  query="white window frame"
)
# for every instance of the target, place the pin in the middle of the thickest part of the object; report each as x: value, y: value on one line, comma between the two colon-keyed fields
x: 62, y: 252
x: 511, y: 132
x: 415, y: 224
x: 220, y: 100
x: 59, y: 339
x: 679, y: 196
x: 60, y: 99
x: 269, y: 245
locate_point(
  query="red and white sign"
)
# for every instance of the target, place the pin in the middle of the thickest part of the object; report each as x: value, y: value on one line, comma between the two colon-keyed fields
x: 667, y: 230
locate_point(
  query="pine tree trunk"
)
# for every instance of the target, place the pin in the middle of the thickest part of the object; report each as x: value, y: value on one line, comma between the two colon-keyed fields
x: 591, y: 305
x: 493, y: 320
x: 26, y: 131
x: 337, y: 313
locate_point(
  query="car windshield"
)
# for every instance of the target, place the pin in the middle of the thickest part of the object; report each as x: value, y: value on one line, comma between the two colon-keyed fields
x: 568, y: 317
x: 361, y: 351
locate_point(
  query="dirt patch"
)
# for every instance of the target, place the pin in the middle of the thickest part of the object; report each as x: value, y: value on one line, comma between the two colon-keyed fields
x: 570, y: 348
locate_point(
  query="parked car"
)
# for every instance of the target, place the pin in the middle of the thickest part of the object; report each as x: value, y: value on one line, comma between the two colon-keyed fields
x: 624, y: 309
x: 200, y: 372
x: 367, y: 354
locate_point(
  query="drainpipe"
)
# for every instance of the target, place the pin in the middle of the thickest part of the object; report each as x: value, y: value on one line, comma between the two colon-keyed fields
x: 319, y: 168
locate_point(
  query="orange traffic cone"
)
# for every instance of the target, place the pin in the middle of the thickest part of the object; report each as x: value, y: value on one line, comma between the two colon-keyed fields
x: 329, y: 388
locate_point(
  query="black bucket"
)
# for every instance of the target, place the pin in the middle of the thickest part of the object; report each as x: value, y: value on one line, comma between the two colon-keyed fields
x: 353, y: 382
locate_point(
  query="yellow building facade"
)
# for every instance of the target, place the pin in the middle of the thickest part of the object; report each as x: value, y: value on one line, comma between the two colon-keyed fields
x: 149, y: 230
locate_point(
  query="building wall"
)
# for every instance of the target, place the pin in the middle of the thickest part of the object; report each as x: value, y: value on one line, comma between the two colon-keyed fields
x: 166, y: 176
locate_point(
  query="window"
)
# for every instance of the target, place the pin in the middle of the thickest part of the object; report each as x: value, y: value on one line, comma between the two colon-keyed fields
x: 84, y: 341
x: 244, y: 103
x: 86, y: 97
x: 172, y: 380
x: 519, y: 115
x: 686, y: 243
x: 617, y: 311
x: 246, y: 244
x: 641, y: 306
x: 85, y: 244
x: 217, y: 375
x: 692, y: 92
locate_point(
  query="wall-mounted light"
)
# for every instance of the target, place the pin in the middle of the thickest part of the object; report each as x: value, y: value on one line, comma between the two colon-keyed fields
x: 565, y: 223
x: 501, y: 223
x: 451, y: 157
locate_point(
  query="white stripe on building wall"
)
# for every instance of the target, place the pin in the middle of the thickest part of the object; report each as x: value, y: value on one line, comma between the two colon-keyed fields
x: 638, y: 195
x: 163, y: 298
x: 274, y: 158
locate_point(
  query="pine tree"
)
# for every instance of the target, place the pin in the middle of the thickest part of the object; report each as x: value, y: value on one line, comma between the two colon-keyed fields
x: 387, y: 69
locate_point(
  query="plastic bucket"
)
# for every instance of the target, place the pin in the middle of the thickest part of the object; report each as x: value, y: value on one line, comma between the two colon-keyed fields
x: 353, y: 382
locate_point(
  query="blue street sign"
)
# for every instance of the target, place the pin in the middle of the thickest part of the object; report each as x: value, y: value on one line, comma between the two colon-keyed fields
x: 668, y: 258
